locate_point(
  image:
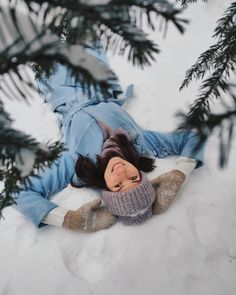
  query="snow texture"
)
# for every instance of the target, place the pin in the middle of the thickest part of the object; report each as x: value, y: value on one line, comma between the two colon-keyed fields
x: 190, y: 249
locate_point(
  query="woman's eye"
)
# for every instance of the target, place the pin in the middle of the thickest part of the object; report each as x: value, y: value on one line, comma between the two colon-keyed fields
x: 133, y: 177
x: 118, y: 185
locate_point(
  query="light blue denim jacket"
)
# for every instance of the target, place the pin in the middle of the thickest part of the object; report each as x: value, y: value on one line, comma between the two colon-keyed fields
x: 82, y: 135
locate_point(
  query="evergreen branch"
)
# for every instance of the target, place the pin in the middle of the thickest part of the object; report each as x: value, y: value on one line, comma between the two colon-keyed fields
x: 96, y: 13
x: 202, y: 66
x: 39, y: 45
x: 200, y: 110
x: 210, y: 89
x: 220, y: 61
x: 100, y: 11
x: 187, y: 2
x: 225, y: 48
x: 226, y: 22
x: 161, y: 8
x: 215, y: 120
x: 75, y: 56
x: 116, y: 18
x: 21, y: 156
x: 140, y: 50
x: 224, y: 122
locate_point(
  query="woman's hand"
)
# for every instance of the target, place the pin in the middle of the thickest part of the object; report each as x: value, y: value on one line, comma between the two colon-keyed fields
x: 166, y: 185
x: 89, y: 218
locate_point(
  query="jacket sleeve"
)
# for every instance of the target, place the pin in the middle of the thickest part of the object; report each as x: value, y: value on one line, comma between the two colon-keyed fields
x: 34, y: 199
x: 180, y: 143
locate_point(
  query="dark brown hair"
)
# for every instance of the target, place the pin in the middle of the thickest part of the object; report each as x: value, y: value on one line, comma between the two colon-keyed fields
x: 92, y: 174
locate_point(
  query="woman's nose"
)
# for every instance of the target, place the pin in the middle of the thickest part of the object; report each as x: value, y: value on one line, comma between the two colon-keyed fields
x: 120, y: 170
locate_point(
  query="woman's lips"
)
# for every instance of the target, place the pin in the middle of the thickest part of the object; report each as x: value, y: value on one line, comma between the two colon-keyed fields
x: 116, y: 165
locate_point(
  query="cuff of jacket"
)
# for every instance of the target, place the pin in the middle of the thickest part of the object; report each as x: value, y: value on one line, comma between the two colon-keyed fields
x: 55, y: 217
x: 185, y: 165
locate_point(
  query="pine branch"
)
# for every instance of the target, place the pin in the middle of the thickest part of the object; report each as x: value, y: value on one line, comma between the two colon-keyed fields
x: 116, y: 19
x: 223, y: 49
x: 38, y: 45
x: 221, y: 57
x: 116, y: 10
x: 202, y: 66
x: 187, y: 2
x: 14, y: 178
x: 21, y: 156
x: 219, y: 62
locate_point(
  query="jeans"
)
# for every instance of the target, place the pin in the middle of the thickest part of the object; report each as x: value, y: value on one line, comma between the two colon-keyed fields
x: 66, y: 96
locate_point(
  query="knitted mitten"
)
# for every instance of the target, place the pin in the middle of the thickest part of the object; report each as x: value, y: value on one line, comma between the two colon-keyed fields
x: 166, y: 185
x: 89, y: 218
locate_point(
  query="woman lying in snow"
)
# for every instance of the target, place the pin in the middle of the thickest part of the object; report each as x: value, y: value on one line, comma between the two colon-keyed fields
x: 107, y: 149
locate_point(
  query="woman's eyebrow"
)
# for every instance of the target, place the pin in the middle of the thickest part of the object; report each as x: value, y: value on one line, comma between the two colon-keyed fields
x: 120, y: 188
x: 136, y: 180
x: 131, y: 182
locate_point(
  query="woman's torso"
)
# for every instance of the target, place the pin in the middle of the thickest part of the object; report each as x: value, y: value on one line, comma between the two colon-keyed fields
x: 83, y: 135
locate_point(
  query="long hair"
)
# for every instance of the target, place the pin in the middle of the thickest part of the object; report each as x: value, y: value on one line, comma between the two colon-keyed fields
x: 92, y: 174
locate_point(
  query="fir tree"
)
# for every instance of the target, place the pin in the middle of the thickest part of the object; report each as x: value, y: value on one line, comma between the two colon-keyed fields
x: 44, y: 32
x: 216, y: 66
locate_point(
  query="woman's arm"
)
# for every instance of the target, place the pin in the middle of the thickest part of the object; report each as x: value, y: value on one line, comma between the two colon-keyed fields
x: 179, y: 143
x: 34, y: 201
x: 182, y: 144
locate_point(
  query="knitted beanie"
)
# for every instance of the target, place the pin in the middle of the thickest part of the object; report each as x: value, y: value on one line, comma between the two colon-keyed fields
x: 133, y: 206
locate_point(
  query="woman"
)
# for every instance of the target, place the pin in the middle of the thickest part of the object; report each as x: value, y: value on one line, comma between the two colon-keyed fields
x: 109, y: 150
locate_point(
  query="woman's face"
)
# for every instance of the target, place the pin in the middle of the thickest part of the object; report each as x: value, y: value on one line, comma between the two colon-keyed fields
x: 121, y: 175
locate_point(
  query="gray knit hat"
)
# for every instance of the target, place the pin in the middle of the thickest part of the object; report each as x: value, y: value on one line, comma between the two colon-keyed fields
x: 133, y: 206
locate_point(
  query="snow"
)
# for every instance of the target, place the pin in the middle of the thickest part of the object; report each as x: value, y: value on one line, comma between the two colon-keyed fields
x: 190, y: 249
x: 25, y: 161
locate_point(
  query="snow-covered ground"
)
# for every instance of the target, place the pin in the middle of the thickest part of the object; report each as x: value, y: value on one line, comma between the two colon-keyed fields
x: 191, y: 249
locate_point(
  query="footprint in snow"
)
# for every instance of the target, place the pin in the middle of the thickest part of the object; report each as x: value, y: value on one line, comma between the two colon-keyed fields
x: 84, y: 261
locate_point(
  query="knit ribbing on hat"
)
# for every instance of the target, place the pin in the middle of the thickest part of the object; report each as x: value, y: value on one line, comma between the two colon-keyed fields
x: 130, y: 202
x: 139, y: 219
x: 133, y: 206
